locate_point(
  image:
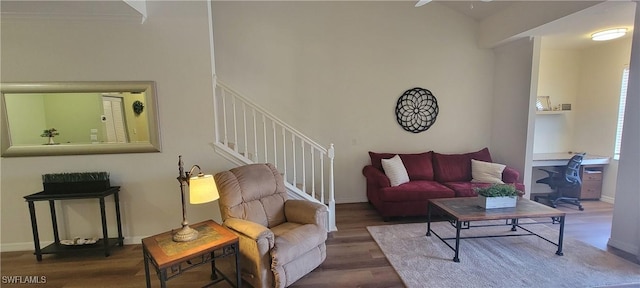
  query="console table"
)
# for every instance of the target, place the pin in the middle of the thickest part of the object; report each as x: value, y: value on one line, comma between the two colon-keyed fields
x: 105, y: 243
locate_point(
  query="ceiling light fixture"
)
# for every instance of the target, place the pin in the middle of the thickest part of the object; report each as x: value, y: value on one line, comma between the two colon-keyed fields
x: 608, y: 34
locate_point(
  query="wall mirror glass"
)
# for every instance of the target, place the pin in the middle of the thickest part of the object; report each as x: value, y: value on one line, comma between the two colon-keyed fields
x: 74, y: 118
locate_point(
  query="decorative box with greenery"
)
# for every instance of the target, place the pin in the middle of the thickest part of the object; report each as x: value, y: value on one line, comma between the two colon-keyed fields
x: 497, y: 196
x: 497, y: 190
x: 77, y: 182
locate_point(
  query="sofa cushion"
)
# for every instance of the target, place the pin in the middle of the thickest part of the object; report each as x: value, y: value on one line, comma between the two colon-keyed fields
x: 465, y: 189
x: 457, y: 167
x: 415, y: 191
x: 486, y: 172
x: 419, y: 166
x: 395, y: 171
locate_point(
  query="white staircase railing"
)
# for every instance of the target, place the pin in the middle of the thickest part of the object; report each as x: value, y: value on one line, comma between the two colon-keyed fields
x: 246, y: 133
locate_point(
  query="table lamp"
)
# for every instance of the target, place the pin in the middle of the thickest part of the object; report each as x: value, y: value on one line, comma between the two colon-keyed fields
x: 202, y: 189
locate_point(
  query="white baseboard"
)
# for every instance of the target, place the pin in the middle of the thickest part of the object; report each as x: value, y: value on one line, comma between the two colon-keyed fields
x: 28, y: 246
x: 345, y: 200
x: 24, y: 246
x: 626, y: 247
x: 607, y: 199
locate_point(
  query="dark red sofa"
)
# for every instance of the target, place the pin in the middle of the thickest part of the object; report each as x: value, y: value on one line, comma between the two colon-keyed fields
x: 432, y: 175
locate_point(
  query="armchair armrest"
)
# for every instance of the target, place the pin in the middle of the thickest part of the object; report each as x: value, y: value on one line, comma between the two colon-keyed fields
x: 256, y: 243
x: 250, y: 230
x: 510, y: 175
x: 375, y: 176
x: 306, y: 212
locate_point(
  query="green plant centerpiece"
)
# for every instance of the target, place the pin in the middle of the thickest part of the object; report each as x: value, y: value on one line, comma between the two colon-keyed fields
x: 497, y: 196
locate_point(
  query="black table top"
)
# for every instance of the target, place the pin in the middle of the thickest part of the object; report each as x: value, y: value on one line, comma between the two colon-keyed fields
x: 42, y: 195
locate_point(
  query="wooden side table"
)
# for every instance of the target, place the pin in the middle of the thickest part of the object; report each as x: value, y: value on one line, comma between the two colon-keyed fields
x: 170, y: 259
x: 105, y: 243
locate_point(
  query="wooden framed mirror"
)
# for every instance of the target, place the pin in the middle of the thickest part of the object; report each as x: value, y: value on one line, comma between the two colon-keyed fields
x: 88, y: 117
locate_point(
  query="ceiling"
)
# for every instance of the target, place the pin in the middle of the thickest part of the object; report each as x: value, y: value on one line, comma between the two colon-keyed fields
x: 84, y: 8
x: 571, y: 32
x: 477, y: 10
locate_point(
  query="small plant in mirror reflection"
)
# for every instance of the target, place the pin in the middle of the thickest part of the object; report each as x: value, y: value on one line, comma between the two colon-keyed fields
x: 50, y: 133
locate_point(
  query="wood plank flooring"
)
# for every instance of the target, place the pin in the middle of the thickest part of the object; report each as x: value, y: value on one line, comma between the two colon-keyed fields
x: 353, y: 257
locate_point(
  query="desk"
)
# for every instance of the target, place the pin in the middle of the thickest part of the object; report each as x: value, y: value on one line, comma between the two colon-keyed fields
x: 591, y: 171
x: 170, y: 259
x: 105, y: 243
x: 561, y: 159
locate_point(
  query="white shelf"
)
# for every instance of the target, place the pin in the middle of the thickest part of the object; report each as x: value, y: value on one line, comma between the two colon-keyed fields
x: 552, y: 112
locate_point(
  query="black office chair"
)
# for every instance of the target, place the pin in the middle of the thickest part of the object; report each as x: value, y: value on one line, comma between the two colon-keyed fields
x: 567, y: 178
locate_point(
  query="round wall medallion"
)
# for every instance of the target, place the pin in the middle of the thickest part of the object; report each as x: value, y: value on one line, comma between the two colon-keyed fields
x: 416, y: 110
x: 138, y: 107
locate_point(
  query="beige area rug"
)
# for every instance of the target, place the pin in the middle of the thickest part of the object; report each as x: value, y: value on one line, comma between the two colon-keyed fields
x: 523, y: 261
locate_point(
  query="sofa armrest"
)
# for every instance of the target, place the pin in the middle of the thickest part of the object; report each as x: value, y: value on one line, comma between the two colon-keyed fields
x: 306, y: 212
x: 375, y: 176
x: 510, y: 175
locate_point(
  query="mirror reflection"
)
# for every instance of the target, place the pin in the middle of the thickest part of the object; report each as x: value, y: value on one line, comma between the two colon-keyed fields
x: 78, y: 118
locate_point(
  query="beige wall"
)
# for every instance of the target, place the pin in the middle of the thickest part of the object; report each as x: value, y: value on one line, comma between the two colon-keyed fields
x: 559, y: 79
x: 335, y: 71
x: 597, y: 107
x: 511, y: 100
x: 625, y: 231
x: 137, y: 127
x: 40, y: 49
x: 332, y: 70
x: 590, y: 80
x: 25, y: 132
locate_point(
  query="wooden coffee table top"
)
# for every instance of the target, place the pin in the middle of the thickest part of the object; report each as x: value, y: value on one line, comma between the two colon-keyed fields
x: 467, y: 209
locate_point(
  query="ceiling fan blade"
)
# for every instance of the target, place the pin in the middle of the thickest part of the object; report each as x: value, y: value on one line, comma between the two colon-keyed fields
x: 422, y: 2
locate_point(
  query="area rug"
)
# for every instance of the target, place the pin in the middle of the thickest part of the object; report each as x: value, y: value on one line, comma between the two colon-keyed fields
x: 524, y: 261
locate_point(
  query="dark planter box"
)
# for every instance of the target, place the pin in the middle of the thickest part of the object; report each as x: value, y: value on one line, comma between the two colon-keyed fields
x: 76, y: 187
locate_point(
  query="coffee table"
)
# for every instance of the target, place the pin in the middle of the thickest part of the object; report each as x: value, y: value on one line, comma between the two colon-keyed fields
x: 463, y: 210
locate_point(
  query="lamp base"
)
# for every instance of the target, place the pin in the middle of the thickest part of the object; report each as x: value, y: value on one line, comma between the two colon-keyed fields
x: 185, y: 234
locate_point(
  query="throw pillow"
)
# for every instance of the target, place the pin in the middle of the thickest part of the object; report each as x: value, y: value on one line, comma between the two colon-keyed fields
x: 395, y: 170
x: 486, y: 172
x: 457, y: 167
x: 419, y: 166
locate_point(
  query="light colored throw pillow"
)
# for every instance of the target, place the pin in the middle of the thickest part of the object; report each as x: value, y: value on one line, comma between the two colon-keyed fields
x: 394, y: 168
x: 486, y: 172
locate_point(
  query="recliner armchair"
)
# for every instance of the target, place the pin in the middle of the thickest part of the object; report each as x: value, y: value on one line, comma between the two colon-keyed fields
x: 281, y: 240
x: 569, y: 177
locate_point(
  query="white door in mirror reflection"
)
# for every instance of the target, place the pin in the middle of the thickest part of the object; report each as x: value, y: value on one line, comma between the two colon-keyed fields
x: 114, y: 122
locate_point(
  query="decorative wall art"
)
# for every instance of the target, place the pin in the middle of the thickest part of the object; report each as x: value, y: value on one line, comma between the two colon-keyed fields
x: 138, y: 107
x: 416, y: 110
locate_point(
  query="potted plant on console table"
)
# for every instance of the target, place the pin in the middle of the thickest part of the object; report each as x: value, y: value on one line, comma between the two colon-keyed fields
x: 497, y: 196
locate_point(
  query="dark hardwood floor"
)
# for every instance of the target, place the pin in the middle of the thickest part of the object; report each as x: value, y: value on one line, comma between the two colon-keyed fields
x: 353, y: 257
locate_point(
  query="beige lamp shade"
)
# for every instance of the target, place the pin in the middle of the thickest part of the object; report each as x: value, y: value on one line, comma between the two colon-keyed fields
x: 202, y: 189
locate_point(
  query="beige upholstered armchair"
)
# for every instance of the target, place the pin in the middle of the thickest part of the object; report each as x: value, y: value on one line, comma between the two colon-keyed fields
x: 281, y: 240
